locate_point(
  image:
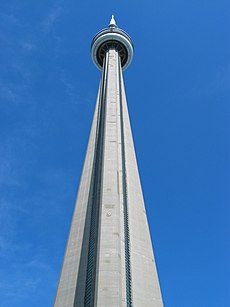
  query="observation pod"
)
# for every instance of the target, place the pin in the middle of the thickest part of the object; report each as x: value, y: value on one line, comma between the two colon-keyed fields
x: 112, y: 37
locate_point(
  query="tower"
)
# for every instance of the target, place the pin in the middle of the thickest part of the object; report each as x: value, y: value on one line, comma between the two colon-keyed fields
x: 109, y: 258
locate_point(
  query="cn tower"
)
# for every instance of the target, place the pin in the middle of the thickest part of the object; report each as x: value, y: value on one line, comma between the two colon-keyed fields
x: 109, y: 259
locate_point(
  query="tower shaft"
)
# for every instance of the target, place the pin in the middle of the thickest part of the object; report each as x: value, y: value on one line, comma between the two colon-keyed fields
x: 109, y: 259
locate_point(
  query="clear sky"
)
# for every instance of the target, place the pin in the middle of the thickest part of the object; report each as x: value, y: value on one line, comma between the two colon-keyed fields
x: 178, y: 90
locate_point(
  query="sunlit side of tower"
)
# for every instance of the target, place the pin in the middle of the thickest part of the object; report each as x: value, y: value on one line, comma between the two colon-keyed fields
x: 109, y: 259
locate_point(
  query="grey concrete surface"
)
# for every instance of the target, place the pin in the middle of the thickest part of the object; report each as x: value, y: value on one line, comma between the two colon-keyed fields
x: 122, y: 270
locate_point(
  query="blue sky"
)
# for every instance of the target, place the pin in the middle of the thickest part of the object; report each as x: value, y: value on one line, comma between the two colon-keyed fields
x: 178, y: 94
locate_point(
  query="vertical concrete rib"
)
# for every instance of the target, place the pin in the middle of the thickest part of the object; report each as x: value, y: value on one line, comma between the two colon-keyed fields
x: 109, y: 265
x: 71, y: 280
x: 125, y: 198
x: 94, y: 204
x: 145, y: 285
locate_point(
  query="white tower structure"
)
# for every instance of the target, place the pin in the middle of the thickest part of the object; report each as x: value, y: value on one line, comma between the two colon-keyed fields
x: 109, y: 259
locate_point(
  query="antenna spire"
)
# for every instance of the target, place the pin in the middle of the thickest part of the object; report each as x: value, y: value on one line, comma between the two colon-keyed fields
x: 112, y: 22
